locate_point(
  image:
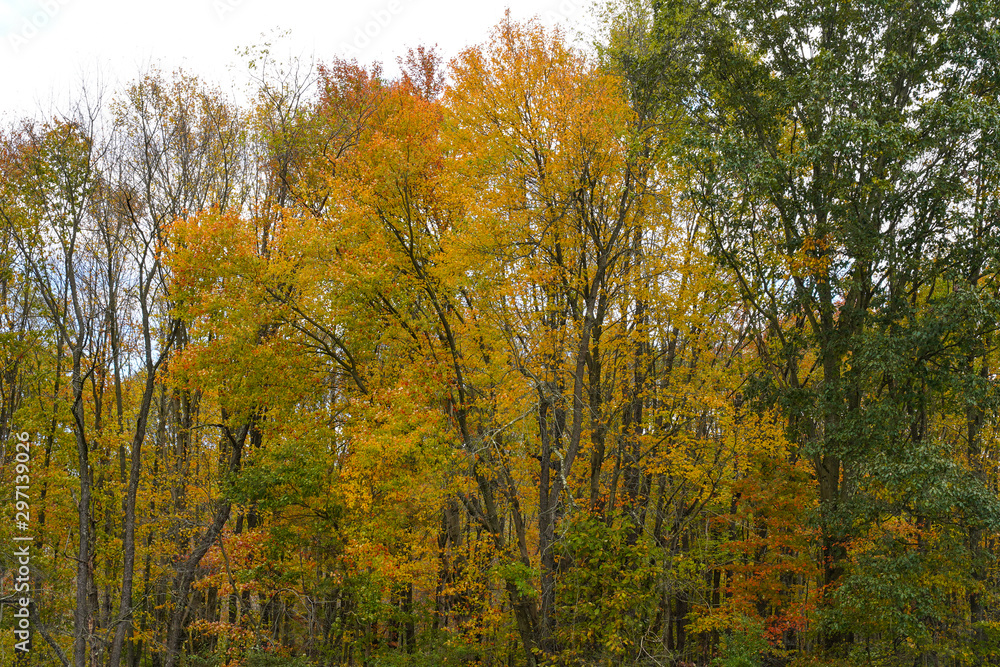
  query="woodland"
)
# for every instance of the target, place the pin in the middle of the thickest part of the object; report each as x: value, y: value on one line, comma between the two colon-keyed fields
x: 677, y: 349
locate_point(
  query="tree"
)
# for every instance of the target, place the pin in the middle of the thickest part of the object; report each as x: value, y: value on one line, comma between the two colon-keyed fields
x: 53, y: 188
x: 840, y: 170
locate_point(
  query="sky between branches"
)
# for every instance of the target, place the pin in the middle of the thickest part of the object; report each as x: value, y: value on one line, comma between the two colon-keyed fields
x: 48, y: 47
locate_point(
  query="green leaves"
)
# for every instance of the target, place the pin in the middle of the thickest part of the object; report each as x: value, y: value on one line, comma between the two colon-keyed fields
x: 833, y: 149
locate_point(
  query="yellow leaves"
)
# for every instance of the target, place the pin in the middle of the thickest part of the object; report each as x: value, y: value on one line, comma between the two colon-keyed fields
x: 215, y: 259
x: 536, y: 122
x: 760, y: 436
x: 813, y: 259
x: 443, y: 271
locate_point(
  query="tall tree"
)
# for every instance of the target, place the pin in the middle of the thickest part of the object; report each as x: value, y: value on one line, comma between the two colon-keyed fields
x: 831, y: 162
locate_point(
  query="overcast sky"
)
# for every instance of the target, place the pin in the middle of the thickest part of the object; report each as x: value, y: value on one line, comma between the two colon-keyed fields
x: 48, y: 46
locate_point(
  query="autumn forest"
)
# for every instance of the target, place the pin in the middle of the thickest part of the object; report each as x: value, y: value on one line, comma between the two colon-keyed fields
x: 674, y: 348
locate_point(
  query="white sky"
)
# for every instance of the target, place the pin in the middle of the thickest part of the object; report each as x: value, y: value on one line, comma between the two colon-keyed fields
x: 47, y: 47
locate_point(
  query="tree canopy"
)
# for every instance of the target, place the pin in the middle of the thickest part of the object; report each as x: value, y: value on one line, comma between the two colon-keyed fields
x: 678, y: 350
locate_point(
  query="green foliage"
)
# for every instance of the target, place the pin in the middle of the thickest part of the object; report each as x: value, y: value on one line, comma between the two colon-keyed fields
x: 743, y: 646
x: 607, y: 585
x: 265, y: 659
x: 521, y: 576
x: 434, y: 650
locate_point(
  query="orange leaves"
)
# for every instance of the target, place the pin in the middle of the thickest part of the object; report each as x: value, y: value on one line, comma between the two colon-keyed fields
x: 538, y: 126
x: 205, y: 249
x: 475, y: 302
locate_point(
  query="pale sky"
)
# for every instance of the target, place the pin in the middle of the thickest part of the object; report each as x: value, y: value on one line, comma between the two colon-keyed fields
x: 47, y: 47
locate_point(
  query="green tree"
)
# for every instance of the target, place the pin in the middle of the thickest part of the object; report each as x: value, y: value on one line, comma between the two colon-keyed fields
x: 840, y: 154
